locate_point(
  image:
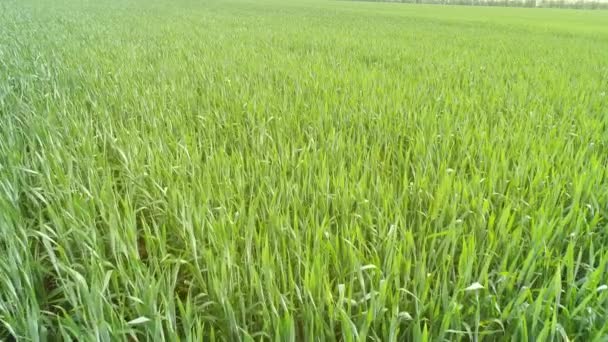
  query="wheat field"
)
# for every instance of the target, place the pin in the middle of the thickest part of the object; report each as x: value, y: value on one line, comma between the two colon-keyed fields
x: 302, y: 171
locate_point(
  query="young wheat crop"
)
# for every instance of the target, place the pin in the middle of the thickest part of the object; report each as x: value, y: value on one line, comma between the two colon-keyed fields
x: 302, y: 171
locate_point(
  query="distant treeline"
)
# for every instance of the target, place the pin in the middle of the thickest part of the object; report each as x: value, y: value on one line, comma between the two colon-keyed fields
x: 510, y: 3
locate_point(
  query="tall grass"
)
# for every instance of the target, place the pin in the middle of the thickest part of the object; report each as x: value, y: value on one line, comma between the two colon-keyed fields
x: 304, y: 171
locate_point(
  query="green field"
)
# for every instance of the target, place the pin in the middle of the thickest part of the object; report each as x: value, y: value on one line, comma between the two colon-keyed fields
x: 302, y: 171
